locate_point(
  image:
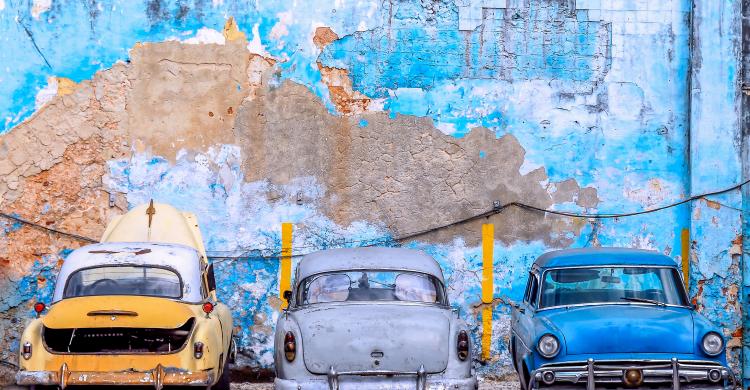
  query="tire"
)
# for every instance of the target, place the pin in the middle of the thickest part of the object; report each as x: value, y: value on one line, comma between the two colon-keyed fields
x: 512, y: 351
x: 224, y: 380
x: 523, y: 377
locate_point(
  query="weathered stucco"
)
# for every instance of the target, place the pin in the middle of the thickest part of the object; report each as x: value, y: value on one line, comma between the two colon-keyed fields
x: 363, y: 122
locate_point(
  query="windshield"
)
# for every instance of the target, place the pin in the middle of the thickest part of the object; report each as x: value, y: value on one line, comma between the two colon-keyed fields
x: 124, y: 280
x: 370, y: 286
x: 576, y: 286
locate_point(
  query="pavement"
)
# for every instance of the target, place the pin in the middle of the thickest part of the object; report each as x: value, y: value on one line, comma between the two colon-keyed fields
x: 483, y: 385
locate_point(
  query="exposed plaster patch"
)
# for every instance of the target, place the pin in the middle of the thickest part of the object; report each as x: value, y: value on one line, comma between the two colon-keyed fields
x: 655, y: 192
x: 65, y: 86
x: 279, y: 30
x: 400, y: 171
x: 47, y: 93
x: 56, y: 86
x: 344, y: 97
x: 232, y: 30
x: 323, y: 37
x: 255, y: 45
x: 39, y: 7
x: 206, y: 35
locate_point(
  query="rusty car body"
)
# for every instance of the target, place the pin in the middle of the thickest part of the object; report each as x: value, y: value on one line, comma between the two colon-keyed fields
x: 137, y: 309
x: 608, y: 318
x: 371, y: 318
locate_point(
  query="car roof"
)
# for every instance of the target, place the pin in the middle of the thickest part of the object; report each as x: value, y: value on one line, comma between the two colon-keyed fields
x: 602, y: 256
x: 367, y: 258
x: 183, y: 259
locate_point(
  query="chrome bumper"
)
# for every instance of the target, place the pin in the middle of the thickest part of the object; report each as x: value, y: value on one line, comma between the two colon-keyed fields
x: 158, y: 377
x: 421, y: 374
x: 673, y: 374
x: 377, y: 381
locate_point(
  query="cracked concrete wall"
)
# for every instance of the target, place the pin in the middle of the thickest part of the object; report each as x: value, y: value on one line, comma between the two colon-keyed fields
x: 716, y: 223
x: 361, y: 122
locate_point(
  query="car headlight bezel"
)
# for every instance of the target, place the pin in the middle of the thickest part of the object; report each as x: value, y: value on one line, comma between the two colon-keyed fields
x: 548, y: 346
x: 716, y: 350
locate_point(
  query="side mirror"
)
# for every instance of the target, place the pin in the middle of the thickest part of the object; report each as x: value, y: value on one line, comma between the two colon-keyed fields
x: 211, y: 278
x: 518, y: 307
x: 287, y: 295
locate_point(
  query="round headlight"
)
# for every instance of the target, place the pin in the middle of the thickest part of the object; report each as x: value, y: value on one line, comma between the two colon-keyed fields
x: 712, y: 344
x: 548, y: 346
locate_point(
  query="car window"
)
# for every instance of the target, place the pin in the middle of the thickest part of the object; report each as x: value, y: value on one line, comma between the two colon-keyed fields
x: 370, y: 286
x: 533, y: 290
x: 328, y: 288
x: 574, y: 286
x: 528, y: 288
x: 124, y: 280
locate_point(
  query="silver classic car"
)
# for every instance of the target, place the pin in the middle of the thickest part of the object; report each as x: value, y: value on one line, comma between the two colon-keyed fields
x: 371, y: 318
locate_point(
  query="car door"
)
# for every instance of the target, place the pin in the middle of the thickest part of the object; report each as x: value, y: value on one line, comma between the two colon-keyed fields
x: 522, y: 320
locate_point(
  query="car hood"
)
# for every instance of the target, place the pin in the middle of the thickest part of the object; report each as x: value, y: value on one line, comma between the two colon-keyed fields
x: 623, y: 329
x: 118, y: 311
x: 362, y: 337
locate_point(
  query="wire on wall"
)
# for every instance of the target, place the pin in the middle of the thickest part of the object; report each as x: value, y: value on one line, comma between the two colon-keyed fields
x: 258, y: 253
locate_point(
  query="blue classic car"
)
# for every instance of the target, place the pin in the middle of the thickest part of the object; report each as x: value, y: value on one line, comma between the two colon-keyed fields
x: 607, y: 318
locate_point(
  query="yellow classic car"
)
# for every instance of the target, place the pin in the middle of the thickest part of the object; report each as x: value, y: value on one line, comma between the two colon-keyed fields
x: 140, y: 308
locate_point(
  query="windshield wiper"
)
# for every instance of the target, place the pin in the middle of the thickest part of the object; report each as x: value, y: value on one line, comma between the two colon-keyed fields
x: 643, y: 300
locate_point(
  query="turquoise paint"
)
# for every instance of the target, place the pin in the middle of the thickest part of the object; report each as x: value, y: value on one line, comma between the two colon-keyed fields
x: 79, y: 38
x: 575, y: 114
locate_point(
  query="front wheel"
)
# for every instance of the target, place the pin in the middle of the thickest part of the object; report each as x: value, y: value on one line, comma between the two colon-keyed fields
x: 224, y: 381
x: 523, y: 377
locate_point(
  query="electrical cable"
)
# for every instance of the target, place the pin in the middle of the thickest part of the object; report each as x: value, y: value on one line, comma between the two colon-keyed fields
x: 496, y: 209
x: 49, y: 229
x: 8, y: 364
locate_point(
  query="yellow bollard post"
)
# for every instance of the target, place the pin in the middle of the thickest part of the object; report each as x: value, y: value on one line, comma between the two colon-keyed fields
x: 488, y: 242
x: 685, y: 244
x: 285, y: 280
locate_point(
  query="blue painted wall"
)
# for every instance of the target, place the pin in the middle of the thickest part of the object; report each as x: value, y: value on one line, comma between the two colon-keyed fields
x: 609, y: 94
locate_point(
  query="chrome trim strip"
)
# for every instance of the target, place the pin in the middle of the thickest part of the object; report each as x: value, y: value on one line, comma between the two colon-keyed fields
x: 673, y: 371
x: 333, y: 376
x: 610, y: 303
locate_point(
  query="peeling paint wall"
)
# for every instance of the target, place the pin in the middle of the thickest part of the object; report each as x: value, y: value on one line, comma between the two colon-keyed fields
x: 364, y: 121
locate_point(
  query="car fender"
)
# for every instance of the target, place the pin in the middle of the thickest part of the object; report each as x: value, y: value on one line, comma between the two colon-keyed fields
x: 207, y: 330
x: 701, y: 326
x: 458, y: 368
x: 296, y: 368
x: 542, y: 326
x: 33, y: 334
x: 226, y: 323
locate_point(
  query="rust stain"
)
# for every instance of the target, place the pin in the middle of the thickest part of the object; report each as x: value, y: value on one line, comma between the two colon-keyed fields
x: 712, y: 204
x: 324, y: 36
x: 211, y: 114
x: 699, y: 293
x: 230, y: 111
x: 344, y: 97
